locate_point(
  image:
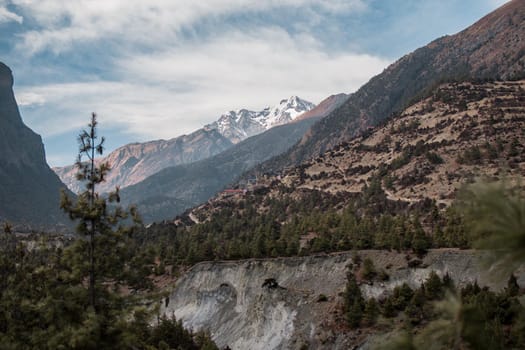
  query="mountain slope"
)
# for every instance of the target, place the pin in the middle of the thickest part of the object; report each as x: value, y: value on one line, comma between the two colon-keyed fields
x: 462, y: 132
x: 134, y: 162
x: 325, y: 107
x: 172, y: 190
x: 29, y: 190
x: 492, y: 48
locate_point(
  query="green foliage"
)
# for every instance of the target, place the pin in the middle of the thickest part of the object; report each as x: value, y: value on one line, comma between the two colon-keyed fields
x: 170, y: 334
x: 354, y: 303
x: 434, y: 158
x: 259, y: 226
x: 433, y: 287
x: 101, y: 258
x: 371, y: 312
x: 475, y: 318
x: 71, y: 294
x: 396, y: 341
x: 496, y: 214
x: 420, y: 241
x: 388, y: 309
x: 401, y: 296
x: 369, y: 271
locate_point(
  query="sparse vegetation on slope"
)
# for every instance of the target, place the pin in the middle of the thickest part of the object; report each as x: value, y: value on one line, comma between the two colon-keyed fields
x: 491, y: 49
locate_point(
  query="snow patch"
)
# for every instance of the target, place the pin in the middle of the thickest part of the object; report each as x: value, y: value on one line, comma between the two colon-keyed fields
x: 241, y: 124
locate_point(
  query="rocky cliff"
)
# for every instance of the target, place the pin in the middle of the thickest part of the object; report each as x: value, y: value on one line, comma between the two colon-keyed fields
x: 275, y: 304
x: 29, y: 190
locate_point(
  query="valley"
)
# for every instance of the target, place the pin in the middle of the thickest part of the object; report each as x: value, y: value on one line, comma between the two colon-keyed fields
x: 391, y: 217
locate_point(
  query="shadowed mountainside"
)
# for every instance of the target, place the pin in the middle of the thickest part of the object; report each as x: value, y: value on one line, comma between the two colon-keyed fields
x: 29, y: 189
x: 172, y: 190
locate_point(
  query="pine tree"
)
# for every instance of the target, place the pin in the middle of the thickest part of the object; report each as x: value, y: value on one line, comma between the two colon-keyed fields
x: 371, y: 312
x: 97, y: 220
x: 369, y: 271
x: 513, y: 289
x: 354, y: 303
x: 388, y: 309
x: 420, y: 241
x: 433, y: 286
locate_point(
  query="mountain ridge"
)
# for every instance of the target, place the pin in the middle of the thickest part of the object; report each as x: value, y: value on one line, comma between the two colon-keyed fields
x: 134, y: 162
x: 241, y: 124
x: 492, y: 48
x: 173, y: 190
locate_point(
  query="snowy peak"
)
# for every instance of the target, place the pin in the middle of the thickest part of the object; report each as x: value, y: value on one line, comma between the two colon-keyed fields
x: 285, y: 112
x: 241, y: 124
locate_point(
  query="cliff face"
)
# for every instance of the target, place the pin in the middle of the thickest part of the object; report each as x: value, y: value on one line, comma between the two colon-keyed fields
x: 29, y: 190
x: 20, y: 145
x: 238, y: 303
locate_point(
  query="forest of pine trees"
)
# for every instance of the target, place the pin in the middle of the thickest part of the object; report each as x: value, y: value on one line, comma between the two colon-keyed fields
x: 241, y: 231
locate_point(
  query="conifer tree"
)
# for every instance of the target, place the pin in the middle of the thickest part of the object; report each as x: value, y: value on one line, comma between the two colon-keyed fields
x: 97, y: 220
x: 354, y: 302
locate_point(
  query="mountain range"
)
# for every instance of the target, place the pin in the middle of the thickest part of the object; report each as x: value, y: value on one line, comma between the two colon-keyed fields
x: 490, y: 49
x: 165, y: 177
x: 369, y: 181
x: 135, y: 162
x: 175, y: 189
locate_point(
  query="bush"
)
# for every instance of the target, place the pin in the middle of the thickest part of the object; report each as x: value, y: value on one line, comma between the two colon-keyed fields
x: 434, y: 158
x: 322, y: 298
x: 369, y: 271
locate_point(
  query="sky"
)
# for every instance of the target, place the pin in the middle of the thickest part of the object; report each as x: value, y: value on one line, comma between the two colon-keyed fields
x: 162, y: 68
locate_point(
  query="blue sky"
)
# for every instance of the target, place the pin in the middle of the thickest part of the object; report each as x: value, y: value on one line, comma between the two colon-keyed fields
x: 161, y: 68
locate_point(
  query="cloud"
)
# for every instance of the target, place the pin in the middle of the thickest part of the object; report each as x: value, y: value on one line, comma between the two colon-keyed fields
x: 62, y: 25
x: 27, y: 99
x: 165, y: 94
x: 8, y: 16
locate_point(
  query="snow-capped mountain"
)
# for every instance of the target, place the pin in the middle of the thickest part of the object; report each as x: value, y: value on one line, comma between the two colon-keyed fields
x: 241, y: 124
x: 135, y: 162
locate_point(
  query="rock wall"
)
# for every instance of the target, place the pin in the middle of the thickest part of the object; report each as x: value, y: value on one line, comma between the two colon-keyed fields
x: 274, y: 303
x: 29, y: 190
